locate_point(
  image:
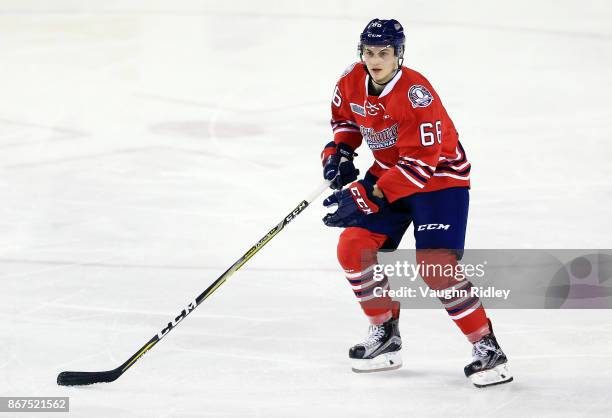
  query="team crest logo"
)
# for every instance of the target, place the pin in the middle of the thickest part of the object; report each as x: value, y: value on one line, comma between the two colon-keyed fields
x: 419, y: 96
x: 378, y: 140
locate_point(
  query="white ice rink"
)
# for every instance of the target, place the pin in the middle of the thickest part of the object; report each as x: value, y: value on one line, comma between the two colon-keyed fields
x: 145, y: 145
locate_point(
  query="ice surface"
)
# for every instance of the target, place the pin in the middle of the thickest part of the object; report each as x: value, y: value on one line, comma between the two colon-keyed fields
x: 145, y: 145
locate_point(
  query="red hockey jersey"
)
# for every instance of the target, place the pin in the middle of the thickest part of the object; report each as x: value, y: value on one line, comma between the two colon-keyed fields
x: 413, y: 140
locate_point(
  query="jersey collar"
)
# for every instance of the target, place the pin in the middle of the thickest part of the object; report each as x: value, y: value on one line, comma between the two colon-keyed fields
x: 389, y: 85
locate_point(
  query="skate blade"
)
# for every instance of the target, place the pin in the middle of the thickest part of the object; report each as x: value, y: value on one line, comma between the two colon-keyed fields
x: 381, y: 363
x: 495, y: 376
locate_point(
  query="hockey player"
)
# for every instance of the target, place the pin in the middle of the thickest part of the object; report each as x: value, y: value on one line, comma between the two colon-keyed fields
x: 420, y: 175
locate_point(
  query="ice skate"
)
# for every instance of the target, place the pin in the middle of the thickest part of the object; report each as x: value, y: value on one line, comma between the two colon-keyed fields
x: 382, y: 348
x: 490, y: 364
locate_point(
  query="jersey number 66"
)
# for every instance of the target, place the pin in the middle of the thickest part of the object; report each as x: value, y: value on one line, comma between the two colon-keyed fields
x: 427, y: 133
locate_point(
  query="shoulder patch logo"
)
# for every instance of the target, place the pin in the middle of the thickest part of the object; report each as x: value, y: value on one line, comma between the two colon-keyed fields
x: 419, y: 96
x: 348, y: 69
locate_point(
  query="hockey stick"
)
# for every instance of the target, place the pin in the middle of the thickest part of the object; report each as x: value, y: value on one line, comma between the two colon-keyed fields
x: 88, y: 378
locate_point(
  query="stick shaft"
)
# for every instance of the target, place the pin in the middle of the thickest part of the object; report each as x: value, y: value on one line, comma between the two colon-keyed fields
x: 226, y: 275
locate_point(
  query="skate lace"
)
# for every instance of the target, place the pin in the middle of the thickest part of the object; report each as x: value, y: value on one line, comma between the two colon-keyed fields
x: 482, y: 348
x: 375, y: 333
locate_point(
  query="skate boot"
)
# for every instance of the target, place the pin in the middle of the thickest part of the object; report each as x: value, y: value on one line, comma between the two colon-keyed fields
x: 490, y: 365
x: 382, y: 349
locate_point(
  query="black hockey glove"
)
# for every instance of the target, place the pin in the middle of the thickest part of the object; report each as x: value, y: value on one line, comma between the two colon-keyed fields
x: 338, y: 165
x: 354, y: 203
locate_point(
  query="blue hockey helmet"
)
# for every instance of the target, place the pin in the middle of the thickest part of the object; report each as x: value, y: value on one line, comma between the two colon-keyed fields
x: 381, y: 32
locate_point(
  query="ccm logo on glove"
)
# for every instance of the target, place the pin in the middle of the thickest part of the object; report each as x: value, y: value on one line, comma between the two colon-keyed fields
x: 354, y: 203
x: 361, y: 202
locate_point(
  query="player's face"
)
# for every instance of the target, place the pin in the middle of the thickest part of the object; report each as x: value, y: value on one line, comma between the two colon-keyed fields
x: 381, y: 62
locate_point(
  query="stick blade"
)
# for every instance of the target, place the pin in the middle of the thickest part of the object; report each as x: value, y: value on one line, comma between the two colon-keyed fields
x: 87, y: 378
